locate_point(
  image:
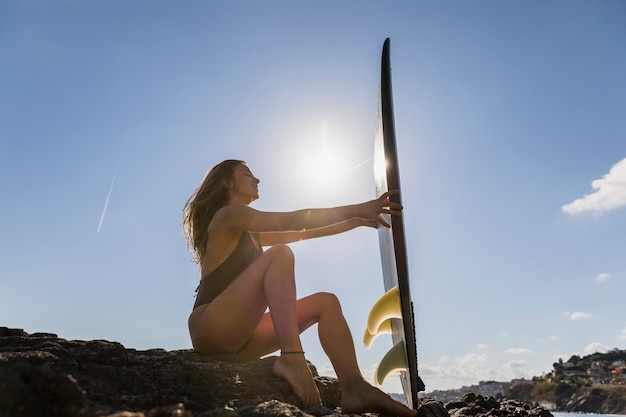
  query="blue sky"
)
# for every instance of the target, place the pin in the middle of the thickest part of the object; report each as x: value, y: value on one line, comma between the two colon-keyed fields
x: 512, y: 139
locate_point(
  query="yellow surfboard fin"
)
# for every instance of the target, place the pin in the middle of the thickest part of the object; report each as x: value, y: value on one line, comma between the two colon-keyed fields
x: 393, y: 362
x: 387, y: 307
x: 384, y: 328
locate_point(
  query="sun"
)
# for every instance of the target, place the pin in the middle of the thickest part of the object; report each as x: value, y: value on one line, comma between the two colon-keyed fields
x: 322, y: 167
x: 323, y: 163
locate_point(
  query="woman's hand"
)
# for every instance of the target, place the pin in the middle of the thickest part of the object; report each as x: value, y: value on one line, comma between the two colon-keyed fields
x: 371, y: 212
x: 369, y: 223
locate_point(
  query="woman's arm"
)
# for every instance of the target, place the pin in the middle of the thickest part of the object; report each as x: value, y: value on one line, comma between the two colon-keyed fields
x: 243, y: 217
x: 273, y: 238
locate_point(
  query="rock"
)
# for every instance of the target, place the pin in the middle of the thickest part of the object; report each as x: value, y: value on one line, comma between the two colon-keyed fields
x: 609, y: 399
x: 99, y: 377
x: 471, y: 405
x: 272, y: 408
x: 27, y: 390
x: 431, y: 408
x: 44, y: 375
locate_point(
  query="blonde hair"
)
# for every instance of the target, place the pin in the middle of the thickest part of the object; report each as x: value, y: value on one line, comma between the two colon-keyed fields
x: 204, y: 202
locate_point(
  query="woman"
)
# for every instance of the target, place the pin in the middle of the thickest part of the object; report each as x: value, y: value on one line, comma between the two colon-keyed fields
x: 240, y: 281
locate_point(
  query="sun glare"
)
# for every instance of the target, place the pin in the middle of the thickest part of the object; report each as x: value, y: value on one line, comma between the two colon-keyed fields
x: 323, y: 164
x: 323, y: 167
x: 327, y: 165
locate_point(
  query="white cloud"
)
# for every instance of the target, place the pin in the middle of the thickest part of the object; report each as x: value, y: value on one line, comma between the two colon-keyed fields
x: 517, y: 351
x: 470, y: 369
x: 518, y: 369
x: 603, y: 277
x: 623, y: 335
x: 444, y: 359
x: 609, y: 194
x: 555, y: 338
x: 327, y: 370
x: 581, y: 316
x: 438, y: 377
x: 595, y: 347
x: 466, y: 370
x: 482, y: 346
x: 471, y: 361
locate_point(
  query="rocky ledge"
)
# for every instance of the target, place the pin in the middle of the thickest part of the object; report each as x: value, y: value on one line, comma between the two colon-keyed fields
x: 44, y: 375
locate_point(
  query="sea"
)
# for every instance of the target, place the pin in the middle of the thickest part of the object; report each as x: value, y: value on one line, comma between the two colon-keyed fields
x: 557, y: 414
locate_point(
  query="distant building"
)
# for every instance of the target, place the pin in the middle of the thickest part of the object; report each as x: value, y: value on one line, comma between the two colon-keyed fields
x: 484, y: 388
x: 446, y: 396
x: 520, y: 381
x: 598, y: 373
x: 490, y: 388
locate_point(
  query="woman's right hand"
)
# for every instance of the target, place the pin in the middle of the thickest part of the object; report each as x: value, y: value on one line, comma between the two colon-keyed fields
x: 373, y: 210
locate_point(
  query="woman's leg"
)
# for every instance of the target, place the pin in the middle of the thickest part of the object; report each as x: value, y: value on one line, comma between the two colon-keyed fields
x: 228, y: 322
x: 357, y: 396
x: 334, y: 333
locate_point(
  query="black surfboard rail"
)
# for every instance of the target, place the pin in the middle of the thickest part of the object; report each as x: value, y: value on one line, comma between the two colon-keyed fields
x: 397, y: 224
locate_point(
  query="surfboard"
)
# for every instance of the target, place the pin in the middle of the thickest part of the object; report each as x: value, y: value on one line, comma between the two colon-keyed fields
x: 393, y: 313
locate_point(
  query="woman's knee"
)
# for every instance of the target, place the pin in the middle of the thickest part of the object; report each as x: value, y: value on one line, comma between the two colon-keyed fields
x: 328, y: 301
x: 281, y: 252
x: 318, y: 306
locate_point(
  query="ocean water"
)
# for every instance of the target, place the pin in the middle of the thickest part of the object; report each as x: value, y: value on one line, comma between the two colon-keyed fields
x: 556, y: 414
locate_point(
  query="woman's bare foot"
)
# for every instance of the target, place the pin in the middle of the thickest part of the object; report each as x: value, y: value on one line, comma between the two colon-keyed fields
x: 359, y: 397
x: 294, y: 369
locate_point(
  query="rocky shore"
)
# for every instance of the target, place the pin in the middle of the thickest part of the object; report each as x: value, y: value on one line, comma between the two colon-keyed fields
x: 44, y: 375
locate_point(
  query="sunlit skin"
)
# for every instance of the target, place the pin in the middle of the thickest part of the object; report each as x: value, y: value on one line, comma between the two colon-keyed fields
x: 237, y: 321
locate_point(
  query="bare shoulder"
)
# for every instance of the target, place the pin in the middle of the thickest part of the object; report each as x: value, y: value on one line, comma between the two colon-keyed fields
x: 232, y: 217
x: 238, y: 217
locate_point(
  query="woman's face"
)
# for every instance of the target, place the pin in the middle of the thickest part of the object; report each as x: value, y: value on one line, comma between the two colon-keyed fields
x: 244, y: 187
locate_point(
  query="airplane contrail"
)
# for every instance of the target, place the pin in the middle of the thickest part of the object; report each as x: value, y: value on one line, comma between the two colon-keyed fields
x: 106, y: 203
x: 359, y: 164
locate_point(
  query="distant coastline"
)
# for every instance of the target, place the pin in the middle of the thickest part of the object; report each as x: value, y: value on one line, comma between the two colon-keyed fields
x: 593, y: 384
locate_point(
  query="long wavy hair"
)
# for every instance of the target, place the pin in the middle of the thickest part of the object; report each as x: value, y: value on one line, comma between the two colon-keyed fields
x: 204, y: 202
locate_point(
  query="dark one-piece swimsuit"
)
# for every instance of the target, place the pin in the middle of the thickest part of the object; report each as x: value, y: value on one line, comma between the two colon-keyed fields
x: 214, y: 283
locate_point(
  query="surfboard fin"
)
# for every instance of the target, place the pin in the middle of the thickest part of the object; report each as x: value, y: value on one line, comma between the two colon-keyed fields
x: 384, y: 311
x: 393, y: 362
x: 387, y: 307
x: 384, y: 328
